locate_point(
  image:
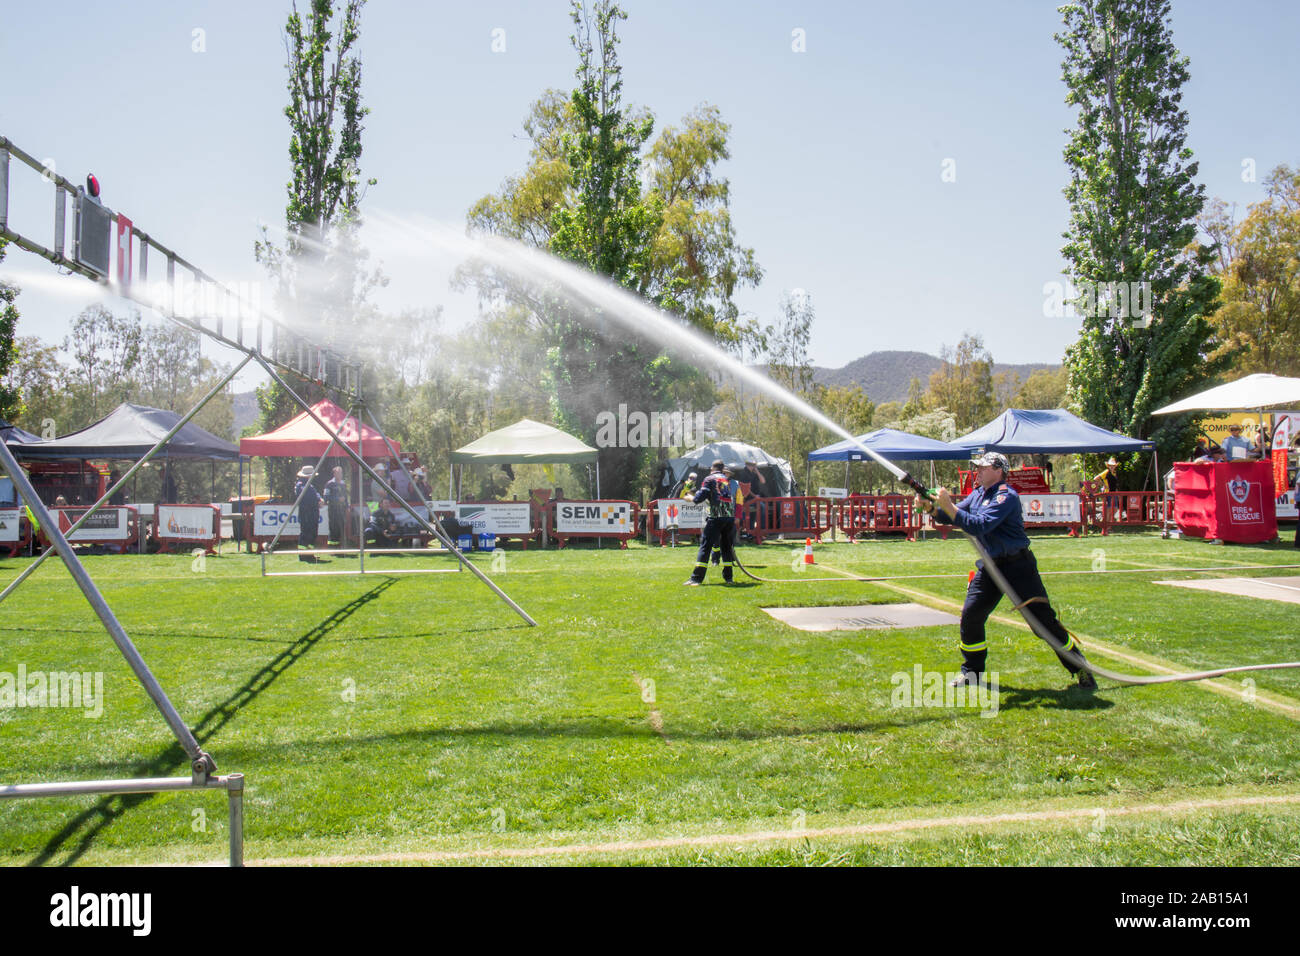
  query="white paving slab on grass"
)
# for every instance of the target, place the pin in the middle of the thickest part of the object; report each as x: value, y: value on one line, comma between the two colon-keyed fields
x: 860, y: 617
x: 1277, y: 589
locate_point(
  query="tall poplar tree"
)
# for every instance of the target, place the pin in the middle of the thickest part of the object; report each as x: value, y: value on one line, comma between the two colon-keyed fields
x: 319, y: 272
x: 1133, y: 206
x: 10, y: 399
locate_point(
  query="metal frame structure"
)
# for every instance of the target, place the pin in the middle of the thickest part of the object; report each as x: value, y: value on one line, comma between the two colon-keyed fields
x: 289, y: 352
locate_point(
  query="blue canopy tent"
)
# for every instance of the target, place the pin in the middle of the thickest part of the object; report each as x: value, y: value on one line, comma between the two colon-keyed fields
x: 1021, y: 431
x: 13, y: 435
x: 891, y: 444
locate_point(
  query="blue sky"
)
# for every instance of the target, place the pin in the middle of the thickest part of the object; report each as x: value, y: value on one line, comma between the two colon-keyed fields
x: 837, y: 152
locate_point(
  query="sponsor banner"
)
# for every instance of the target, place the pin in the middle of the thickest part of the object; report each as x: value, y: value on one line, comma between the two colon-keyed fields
x: 1050, y: 509
x: 497, y: 518
x: 593, y: 517
x: 9, y: 524
x: 681, y: 513
x: 186, y: 522
x: 1285, y: 506
x: 107, y: 524
x: 268, y: 519
x: 832, y: 492
x: 1279, y: 469
x: 444, y: 505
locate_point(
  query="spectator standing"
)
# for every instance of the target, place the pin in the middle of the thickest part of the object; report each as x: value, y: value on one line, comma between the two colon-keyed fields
x: 308, y: 498
x: 336, y: 500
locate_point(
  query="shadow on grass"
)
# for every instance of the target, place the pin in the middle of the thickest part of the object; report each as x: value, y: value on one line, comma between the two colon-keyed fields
x: 1071, y: 698
x: 608, y: 729
x: 77, y: 837
x: 98, y: 632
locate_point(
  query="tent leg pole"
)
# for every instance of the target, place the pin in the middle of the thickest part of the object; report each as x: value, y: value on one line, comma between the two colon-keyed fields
x: 201, y: 763
x: 130, y: 473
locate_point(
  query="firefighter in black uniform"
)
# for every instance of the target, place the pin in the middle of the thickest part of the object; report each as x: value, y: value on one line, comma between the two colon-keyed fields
x: 718, y: 528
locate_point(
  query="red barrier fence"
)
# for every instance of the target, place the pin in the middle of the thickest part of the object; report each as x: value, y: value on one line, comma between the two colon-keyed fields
x: 185, y: 527
x: 1123, y: 509
x: 108, y: 527
x: 804, y: 516
x: 662, y: 514
x: 881, y: 514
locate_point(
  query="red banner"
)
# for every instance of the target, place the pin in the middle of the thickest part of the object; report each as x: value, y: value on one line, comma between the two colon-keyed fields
x: 1230, y: 501
x: 1279, y: 469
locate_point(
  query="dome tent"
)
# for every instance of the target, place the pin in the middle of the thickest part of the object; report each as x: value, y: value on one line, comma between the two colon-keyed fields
x: 734, y: 455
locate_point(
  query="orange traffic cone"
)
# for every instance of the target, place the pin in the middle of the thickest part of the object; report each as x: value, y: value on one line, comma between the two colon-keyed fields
x: 807, y: 551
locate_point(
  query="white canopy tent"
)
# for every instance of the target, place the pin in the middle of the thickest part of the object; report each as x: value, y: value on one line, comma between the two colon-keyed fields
x: 1254, y: 393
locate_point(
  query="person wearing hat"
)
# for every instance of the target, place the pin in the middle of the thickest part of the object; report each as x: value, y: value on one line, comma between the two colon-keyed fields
x: 992, y: 513
x: 1237, y: 448
x: 719, y: 526
x: 308, y: 498
x: 1109, y: 481
x: 1107, y: 477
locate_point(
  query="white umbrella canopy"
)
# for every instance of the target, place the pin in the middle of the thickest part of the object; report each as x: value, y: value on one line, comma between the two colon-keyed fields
x: 1254, y: 392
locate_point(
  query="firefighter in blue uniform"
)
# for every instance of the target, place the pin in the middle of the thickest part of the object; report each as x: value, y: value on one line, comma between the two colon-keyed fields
x: 719, y: 526
x: 992, y: 513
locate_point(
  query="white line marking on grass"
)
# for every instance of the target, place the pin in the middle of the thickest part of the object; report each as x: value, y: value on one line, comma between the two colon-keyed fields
x: 783, y: 836
x: 1268, y: 700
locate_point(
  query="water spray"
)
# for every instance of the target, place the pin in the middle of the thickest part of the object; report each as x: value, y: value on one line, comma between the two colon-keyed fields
x: 639, y: 317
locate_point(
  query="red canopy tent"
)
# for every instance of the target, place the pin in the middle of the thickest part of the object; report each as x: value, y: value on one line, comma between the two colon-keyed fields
x: 301, y: 437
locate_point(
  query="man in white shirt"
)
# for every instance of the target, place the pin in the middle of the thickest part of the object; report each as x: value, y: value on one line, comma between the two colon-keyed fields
x: 1237, y: 448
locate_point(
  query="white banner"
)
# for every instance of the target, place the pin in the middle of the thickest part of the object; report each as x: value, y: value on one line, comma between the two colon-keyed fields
x: 1286, y: 505
x: 593, y: 517
x: 187, y: 522
x: 682, y: 513
x: 832, y: 492
x: 511, y: 518
x: 268, y: 519
x: 1050, y: 509
x: 9, y: 524
x: 107, y: 524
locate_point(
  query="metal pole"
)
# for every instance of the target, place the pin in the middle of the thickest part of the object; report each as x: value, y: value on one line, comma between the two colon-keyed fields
x: 201, y: 762
x: 388, y: 489
x: 4, y: 188
x: 362, y: 511
x: 160, y: 444
x: 235, y: 792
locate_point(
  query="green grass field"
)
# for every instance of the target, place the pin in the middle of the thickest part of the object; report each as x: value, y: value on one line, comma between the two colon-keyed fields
x: 414, y: 718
